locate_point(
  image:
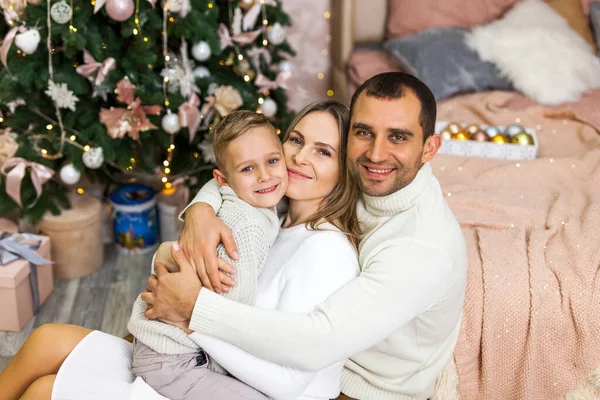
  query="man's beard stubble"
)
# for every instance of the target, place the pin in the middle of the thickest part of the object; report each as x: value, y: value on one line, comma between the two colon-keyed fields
x: 404, y: 176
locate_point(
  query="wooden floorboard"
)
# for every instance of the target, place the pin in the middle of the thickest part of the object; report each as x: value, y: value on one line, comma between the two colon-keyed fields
x: 102, y: 300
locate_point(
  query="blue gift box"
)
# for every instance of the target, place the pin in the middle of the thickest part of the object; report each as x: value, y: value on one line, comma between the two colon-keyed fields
x: 134, y: 218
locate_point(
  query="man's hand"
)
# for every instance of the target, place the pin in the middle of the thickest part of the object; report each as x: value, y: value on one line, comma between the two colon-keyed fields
x: 172, y: 295
x: 201, y: 234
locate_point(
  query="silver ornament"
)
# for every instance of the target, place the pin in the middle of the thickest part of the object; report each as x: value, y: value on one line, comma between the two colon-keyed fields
x: 93, y: 158
x: 269, y: 107
x: 492, y: 131
x: 61, y: 12
x: 276, y: 34
x: 513, y: 129
x: 201, y: 72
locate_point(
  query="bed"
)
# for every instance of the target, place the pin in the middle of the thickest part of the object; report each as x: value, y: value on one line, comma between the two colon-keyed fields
x: 531, y: 324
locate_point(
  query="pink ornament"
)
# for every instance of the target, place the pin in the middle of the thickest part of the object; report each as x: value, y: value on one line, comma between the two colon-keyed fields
x: 119, y: 10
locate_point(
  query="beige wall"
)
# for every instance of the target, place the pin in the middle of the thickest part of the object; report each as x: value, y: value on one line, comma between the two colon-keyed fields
x: 308, y: 36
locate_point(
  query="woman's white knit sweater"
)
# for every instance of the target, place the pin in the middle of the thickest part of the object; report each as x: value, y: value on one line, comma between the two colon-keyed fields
x: 254, y: 230
x: 397, y: 323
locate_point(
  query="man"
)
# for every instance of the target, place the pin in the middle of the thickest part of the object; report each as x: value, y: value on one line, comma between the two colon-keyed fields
x: 399, y: 320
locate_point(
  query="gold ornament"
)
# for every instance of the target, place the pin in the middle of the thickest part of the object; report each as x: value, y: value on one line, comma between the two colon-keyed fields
x: 454, y: 127
x: 246, y: 4
x: 472, y: 128
x: 461, y: 135
x: 251, y: 74
x: 480, y: 136
x: 522, y: 138
x: 242, y: 68
x: 500, y: 139
x: 446, y: 134
x: 229, y: 61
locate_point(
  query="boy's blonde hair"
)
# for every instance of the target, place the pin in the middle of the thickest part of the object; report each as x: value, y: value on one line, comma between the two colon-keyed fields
x: 234, y: 125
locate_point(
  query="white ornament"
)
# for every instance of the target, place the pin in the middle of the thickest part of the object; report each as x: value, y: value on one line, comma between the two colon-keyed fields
x: 69, y: 174
x: 212, y: 88
x: 93, y: 158
x: 276, y: 34
x: 201, y: 72
x: 286, y: 66
x: 28, y: 41
x: 170, y: 123
x: 201, y: 51
x: 61, y: 95
x: 269, y: 107
x: 183, y: 7
x: 61, y: 12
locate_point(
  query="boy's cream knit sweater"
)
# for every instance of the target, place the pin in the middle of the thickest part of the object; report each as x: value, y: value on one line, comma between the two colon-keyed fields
x: 254, y: 230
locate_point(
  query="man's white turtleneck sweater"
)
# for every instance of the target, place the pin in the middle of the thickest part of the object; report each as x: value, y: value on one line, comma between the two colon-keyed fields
x: 397, y: 323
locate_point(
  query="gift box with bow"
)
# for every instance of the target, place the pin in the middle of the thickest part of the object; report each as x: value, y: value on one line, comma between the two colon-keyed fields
x: 25, y: 277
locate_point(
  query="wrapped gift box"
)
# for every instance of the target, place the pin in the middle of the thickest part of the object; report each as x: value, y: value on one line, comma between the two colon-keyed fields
x: 472, y: 148
x: 16, y: 294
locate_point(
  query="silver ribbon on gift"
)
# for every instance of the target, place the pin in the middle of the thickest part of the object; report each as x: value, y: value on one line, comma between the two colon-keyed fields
x: 23, y: 246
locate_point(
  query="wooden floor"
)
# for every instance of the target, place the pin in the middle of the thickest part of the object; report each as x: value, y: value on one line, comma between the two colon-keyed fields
x: 100, y: 301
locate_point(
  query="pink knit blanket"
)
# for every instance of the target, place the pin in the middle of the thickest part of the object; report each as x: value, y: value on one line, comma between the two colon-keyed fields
x: 531, y: 324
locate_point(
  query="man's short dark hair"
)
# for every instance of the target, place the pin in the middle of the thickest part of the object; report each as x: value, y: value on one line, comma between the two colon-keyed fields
x: 394, y: 85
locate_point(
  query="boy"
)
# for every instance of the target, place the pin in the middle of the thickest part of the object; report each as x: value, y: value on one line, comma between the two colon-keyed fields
x: 252, y: 176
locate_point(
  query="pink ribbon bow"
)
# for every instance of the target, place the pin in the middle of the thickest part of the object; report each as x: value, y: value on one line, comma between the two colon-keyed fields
x: 39, y: 174
x: 251, y: 15
x: 189, y: 115
x: 243, y: 38
x: 90, y: 66
x: 255, y: 53
x: 265, y: 83
x: 7, y: 42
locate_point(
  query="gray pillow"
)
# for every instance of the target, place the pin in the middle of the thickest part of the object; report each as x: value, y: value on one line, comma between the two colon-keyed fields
x: 441, y: 59
x: 595, y: 21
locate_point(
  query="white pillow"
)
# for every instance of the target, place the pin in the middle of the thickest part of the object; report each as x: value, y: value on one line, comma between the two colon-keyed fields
x: 537, y: 50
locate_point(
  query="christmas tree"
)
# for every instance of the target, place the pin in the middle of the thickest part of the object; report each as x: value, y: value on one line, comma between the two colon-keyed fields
x: 117, y: 89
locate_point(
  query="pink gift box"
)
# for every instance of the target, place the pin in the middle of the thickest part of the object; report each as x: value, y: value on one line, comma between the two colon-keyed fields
x: 16, y: 297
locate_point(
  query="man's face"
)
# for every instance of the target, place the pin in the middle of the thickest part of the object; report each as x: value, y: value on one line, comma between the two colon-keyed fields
x: 385, y: 145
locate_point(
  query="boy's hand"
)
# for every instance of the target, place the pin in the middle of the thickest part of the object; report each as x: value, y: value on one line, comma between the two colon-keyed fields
x: 183, y: 325
x: 201, y: 234
x: 163, y: 256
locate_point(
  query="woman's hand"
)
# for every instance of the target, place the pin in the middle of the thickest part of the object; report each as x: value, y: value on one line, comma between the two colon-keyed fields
x: 201, y: 234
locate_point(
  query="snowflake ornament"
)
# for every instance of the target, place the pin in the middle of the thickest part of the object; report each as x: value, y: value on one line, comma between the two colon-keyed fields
x: 61, y: 95
x: 206, y: 147
x: 180, y: 73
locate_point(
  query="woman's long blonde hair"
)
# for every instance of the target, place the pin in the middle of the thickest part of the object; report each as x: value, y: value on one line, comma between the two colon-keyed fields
x: 338, y: 207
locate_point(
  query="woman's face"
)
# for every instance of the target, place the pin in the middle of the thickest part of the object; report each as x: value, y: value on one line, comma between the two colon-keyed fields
x: 311, y: 157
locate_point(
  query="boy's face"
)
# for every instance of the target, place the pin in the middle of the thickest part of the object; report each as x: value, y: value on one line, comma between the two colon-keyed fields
x: 255, y: 168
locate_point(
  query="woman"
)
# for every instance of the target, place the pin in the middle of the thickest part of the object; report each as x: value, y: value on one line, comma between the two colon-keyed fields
x: 313, y: 256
